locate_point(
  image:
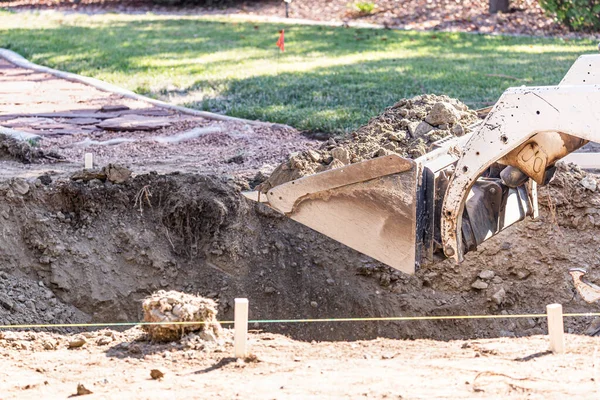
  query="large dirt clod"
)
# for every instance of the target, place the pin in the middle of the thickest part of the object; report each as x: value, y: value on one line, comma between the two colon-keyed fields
x: 173, y: 306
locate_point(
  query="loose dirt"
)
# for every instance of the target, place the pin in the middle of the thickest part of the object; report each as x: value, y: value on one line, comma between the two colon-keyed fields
x: 124, y: 365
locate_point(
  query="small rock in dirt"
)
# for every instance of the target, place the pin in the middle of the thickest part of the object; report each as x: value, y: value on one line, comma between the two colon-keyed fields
x: 239, y: 159
x: 341, y: 154
x: 487, y: 274
x: 45, y: 179
x: 523, y: 274
x: 20, y: 186
x: 442, y: 113
x: 499, y: 296
x: 104, y: 340
x: 156, y: 374
x: 116, y: 173
x: 421, y: 129
x: 497, y: 280
x: 82, y: 390
x: 270, y: 290
x: 6, y: 302
x: 314, y: 304
x: 47, y: 345
x: 314, y: 155
x: 77, y: 342
x: 330, y: 282
x: 479, y: 285
x: 589, y: 183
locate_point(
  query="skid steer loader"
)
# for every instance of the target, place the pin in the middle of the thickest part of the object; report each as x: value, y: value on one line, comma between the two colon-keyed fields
x: 407, y: 213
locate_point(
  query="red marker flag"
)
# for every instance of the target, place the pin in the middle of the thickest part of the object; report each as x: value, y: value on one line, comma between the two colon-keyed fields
x: 280, y: 41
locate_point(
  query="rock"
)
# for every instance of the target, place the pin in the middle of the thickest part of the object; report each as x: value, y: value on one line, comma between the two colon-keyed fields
x: 442, y: 113
x: 497, y: 280
x: 6, y: 302
x: 314, y: 155
x: 134, y: 122
x: 156, y: 374
x: 479, y: 285
x: 314, y: 304
x: 47, y: 345
x: 270, y: 290
x: 239, y: 159
x: 499, y: 296
x: 523, y: 274
x: 82, y: 390
x: 330, y: 282
x: 95, y: 183
x: 341, y: 154
x: 45, y: 179
x: 20, y: 186
x: 458, y: 130
x: 419, y: 129
x: 77, y: 342
x: 487, y: 274
x: 104, y: 340
x: 589, y: 183
x: 116, y: 173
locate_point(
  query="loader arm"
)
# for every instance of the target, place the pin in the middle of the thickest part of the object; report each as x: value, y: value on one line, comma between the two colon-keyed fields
x: 530, y: 128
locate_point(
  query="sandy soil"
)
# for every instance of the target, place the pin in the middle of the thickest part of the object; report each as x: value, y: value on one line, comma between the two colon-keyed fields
x: 281, y: 368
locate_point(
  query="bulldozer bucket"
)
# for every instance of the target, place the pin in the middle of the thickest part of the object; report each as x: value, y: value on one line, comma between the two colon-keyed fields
x: 369, y: 206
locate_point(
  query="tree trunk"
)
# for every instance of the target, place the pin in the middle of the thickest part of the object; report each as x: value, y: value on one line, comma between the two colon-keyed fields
x: 498, y: 6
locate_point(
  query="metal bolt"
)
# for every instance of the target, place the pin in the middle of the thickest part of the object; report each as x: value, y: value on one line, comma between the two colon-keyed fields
x: 449, y: 251
x: 492, y: 190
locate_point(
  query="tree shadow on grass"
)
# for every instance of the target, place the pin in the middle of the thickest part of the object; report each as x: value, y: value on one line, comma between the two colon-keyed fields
x: 357, y: 72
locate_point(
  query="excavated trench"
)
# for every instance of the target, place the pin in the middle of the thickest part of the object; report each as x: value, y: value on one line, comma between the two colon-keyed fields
x: 90, y: 251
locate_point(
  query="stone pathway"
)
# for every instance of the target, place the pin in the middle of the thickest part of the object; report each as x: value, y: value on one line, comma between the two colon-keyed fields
x: 73, y: 119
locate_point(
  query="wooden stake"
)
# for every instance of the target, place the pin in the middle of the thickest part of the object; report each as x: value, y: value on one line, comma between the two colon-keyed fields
x: 88, y: 161
x: 556, y: 328
x: 241, y: 328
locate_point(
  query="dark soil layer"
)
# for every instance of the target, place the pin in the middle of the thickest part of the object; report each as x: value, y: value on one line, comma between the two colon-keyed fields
x: 102, y: 247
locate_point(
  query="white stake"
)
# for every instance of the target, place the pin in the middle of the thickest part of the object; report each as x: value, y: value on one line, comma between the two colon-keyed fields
x: 88, y: 161
x: 241, y: 327
x: 556, y: 328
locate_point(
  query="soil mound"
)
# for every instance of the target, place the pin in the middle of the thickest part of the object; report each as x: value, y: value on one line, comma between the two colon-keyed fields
x: 24, y: 301
x: 407, y: 128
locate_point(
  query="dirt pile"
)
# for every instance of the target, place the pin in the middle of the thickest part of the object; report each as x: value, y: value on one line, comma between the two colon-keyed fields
x: 24, y: 301
x: 408, y: 128
x: 173, y: 306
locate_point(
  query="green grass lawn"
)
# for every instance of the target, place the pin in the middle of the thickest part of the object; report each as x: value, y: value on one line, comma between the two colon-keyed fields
x: 329, y: 79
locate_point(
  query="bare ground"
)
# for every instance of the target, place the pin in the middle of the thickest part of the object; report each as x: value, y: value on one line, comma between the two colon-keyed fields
x: 280, y: 368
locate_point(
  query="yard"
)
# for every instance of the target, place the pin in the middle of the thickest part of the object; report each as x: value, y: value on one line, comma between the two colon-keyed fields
x: 328, y: 80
